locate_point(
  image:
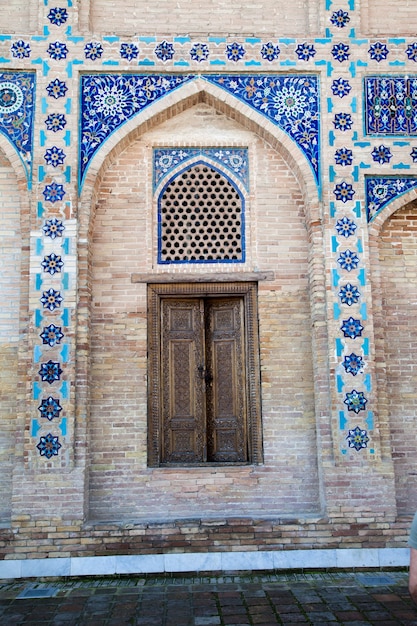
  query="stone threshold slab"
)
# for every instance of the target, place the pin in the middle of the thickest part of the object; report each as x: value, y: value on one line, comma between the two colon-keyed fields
x: 198, y: 562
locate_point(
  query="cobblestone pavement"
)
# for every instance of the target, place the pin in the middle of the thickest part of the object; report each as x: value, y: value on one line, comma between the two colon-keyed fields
x: 354, y: 598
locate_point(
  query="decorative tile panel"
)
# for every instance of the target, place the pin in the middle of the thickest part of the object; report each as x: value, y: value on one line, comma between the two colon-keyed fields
x: 290, y: 102
x: 381, y: 190
x: 17, y: 100
x: 234, y: 159
x: 391, y: 105
x: 107, y: 101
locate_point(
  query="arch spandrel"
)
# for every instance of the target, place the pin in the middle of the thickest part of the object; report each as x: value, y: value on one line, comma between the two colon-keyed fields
x: 181, y: 99
x: 17, y: 110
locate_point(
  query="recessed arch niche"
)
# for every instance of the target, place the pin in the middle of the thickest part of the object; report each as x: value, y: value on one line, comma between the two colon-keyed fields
x: 395, y: 295
x: 123, y: 230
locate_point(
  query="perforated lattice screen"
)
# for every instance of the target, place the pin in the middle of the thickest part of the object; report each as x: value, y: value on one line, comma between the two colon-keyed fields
x: 201, y: 218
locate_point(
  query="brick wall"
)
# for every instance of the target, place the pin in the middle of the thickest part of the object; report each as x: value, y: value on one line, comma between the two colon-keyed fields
x: 9, y: 327
x: 382, y: 18
x: 15, y: 16
x: 63, y: 538
x: 187, y: 17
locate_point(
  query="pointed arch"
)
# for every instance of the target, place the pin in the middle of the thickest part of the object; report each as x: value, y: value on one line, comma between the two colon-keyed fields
x: 389, y: 209
x: 375, y: 228
x: 177, y: 101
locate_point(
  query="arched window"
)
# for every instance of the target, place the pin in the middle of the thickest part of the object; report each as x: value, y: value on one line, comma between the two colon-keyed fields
x: 201, y: 218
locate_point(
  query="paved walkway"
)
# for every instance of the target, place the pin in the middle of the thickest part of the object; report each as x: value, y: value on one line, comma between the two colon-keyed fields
x: 376, y: 597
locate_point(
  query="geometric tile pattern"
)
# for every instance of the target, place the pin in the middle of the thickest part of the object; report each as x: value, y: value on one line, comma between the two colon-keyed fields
x: 200, y: 218
x: 54, y: 180
x: 391, y: 105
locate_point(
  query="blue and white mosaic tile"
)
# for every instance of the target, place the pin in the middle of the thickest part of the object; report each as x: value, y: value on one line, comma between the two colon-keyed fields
x: 50, y: 372
x: 378, y: 51
x: 289, y: 102
x: 355, y: 401
x: 381, y: 154
x: 199, y: 52
x: 53, y: 228
x: 381, y: 190
x: 353, y: 364
x: 51, y: 335
x: 340, y: 18
x: 233, y: 159
x: 357, y: 438
x: 50, y: 408
x: 58, y: 16
x: 20, y: 49
x: 53, y: 192
x: 57, y: 88
x: 109, y: 100
x: 345, y: 227
x: 349, y: 294
x: 51, y: 299
x: 391, y: 105
x: 55, y: 122
x: 93, y: 50
x: 54, y: 156
x: 49, y: 446
x: 17, y: 101
x: 352, y: 328
x: 52, y: 264
x: 57, y: 51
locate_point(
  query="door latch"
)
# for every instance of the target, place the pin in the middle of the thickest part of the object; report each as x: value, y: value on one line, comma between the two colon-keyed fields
x: 205, y: 375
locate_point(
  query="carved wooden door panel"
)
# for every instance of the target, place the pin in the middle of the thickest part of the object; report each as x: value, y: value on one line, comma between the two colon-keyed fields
x: 225, y: 390
x: 183, y: 425
x: 203, y: 380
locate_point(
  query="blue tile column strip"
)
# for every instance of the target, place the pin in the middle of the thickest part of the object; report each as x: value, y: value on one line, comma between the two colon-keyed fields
x: 347, y: 257
x: 50, y: 427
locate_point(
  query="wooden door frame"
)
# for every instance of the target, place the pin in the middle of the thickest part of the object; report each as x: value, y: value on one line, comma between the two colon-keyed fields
x: 248, y: 291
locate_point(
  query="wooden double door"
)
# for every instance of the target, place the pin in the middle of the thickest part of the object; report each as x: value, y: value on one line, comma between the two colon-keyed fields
x: 203, y: 374
x: 203, y: 380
